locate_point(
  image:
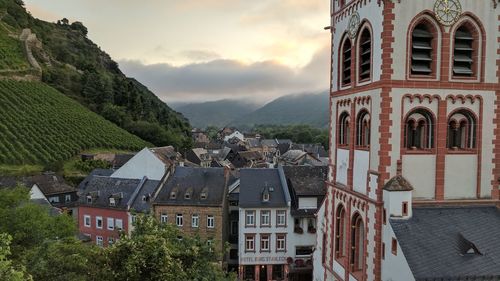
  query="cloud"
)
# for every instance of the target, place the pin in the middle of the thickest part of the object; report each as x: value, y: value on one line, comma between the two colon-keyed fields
x: 220, y: 78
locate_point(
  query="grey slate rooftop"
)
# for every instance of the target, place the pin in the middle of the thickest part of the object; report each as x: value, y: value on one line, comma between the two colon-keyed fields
x: 194, y: 182
x: 253, y: 182
x: 454, y: 243
x: 307, y: 180
x: 126, y: 192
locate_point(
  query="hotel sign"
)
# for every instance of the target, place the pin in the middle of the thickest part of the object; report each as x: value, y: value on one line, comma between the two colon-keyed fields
x: 259, y: 260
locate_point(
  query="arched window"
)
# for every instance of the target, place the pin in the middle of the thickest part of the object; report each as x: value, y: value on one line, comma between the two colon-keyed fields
x: 365, y: 55
x: 357, y: 243
x: 462, y: 130
x: 465, y: 51
x: 419, y: 130
x: 343, y: 128
x: 340, y: 232
x: 363, y: 129
x: 422, y: 49
x: 346, y: 63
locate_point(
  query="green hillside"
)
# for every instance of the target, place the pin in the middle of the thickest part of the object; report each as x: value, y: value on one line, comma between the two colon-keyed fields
x: 11, y: 51
x: 39, y: 125
x: 77, y: 67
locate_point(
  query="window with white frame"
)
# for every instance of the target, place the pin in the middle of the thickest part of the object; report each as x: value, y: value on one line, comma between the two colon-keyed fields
x: 163, y: 218
x: 54, y: 199
x: 179, y: 220
x: 67, y: 197
x: 210, y: 221
x: 99, y: 241
x: 98, y: 222
x: 87, y: 221
x: 111, y: 223
x: 111, y: 241
x: 119, y: 224
x: 264, y: 243
x: 281, y: 242
x: 281, y: 218
x: 250, y: 218
x: 195, y: 221
x: 249, y: 243
x: 265, y: 218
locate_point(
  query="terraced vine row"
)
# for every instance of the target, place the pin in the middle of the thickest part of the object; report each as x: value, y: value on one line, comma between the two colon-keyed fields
x: 39, y: 125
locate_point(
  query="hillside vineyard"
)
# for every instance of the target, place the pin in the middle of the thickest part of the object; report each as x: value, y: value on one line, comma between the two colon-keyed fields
x: 52, y: 127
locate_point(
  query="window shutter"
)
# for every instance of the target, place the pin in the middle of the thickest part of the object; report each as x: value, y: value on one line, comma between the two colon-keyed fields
x: 346, y: 69
x: 462, y: 56
x: 421, y: 55
x: 365, y: 56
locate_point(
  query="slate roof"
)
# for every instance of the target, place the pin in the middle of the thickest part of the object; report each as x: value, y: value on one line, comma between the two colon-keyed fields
x: 269, y: 142
x: 307, y: 180
x: 398, y: 183
x: 51, y: 184
x: 252, y: 142
x: 254, y: 181
x: 195, y: 181
x: 95, y: 172
x: 166, y: 154
x: 316, y: 149
x: 125, y: 191
x: 435, y: 242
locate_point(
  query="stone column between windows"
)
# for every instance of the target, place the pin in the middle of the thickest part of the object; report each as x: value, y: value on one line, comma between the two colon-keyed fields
x: 440, y: 149
x: 352, y: 139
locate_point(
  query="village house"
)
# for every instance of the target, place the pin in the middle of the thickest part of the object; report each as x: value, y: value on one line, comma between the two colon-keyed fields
x: 265, y: 225
x: 235, y: 135
x: 152, y: 163
x: 108, y: 205
x: 413, y: 189
x: 299, y: 157
x: 199, y: 156
x: 199, y: 136
x: 195, y: 200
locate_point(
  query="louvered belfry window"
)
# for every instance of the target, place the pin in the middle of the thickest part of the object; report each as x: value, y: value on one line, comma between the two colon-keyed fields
x: 346, y: 63
x: 365, y: 59
x: 421, y: 55
x: 463, y: 53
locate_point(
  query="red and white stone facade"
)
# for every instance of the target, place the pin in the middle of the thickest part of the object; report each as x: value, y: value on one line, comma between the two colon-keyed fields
x: 439, y: 130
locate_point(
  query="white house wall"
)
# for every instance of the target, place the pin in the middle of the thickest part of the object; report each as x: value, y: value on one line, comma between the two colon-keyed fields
x: 36, y: 193
x: 254, y: 258
x: 394, y: 267
x: 361, y: 166
x: 460, y: 180
x: 420, y: 171
x: 144, y: 163
x: 342, y: 165
x: 308, y: 203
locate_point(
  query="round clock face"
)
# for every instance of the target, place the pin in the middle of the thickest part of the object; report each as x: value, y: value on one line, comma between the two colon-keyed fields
x: 447, y: 11
x: 353, y: 25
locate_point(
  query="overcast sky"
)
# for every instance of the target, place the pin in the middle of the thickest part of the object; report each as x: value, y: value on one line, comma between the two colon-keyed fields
x: 197, y: 50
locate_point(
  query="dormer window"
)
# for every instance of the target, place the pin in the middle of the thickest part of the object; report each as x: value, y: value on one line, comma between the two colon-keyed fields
x: 204, y: 194
x: 173, y: 194
x: 188, y: 194
x: 265, y: 197
x: 112, y: 202
x: 89, y: 199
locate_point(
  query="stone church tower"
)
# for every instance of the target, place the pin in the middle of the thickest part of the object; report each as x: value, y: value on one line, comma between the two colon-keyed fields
x: 415, y: 121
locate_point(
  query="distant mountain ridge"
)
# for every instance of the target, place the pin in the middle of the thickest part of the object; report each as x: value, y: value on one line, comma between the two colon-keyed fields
x: 215, y: 113
x: 307, y: 108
